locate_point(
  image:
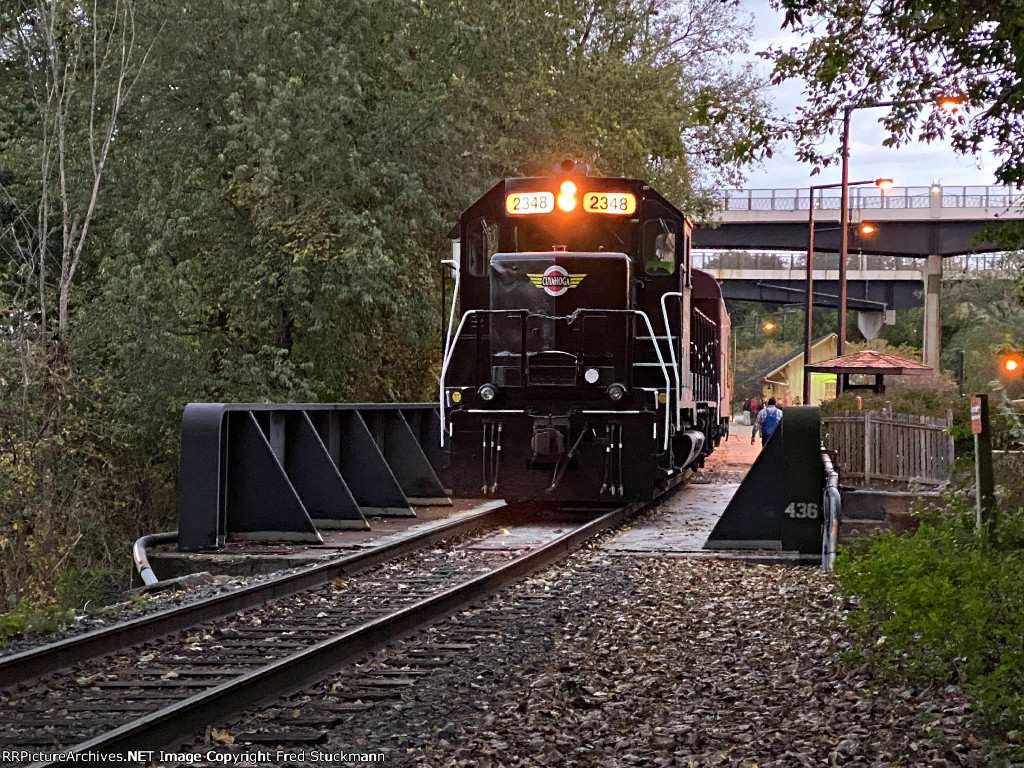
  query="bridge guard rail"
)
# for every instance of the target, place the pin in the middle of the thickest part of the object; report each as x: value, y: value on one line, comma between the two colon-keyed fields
x: 832, y: 512
x: 273, y: 472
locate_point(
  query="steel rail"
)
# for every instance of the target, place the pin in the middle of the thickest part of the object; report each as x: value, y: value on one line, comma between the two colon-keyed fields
x: 172, y: 725
x: 29, y: 665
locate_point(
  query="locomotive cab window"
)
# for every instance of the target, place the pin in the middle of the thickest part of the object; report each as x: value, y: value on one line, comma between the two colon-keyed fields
x: 600, y: 235
x: 661, y: 239
x: 481, y: 244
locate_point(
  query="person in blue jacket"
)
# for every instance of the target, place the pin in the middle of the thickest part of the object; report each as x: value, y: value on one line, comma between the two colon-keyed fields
x: 767, y: 420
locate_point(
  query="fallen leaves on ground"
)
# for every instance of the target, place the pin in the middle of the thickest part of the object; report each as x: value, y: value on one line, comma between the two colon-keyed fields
x: 704, y: 664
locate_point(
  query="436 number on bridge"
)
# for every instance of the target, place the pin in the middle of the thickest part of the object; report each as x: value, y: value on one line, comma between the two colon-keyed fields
x: 802, y: 511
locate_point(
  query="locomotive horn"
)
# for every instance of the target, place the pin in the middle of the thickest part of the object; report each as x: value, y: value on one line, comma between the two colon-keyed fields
x: 574, y: 167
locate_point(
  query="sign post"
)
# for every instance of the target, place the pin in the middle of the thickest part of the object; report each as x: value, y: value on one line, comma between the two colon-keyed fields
x: 983, y: 475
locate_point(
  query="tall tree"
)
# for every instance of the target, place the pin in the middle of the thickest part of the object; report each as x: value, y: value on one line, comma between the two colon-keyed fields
x: 276, y: 197
x: 68, y: 69
x: 80, y: 65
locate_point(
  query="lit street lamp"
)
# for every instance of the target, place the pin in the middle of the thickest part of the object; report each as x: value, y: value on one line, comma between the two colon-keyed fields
x: 766, y: 325
x: 883, y: 184
x: 947, y: 104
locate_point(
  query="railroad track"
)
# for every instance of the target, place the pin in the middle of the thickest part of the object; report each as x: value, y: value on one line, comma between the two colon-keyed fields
x: 26, y: 666
x: 165, y: 690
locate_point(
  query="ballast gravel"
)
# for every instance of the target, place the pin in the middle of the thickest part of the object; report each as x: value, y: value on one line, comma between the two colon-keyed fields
x: 619, y: 661
x: 688, y: 663
x: 87, y: 620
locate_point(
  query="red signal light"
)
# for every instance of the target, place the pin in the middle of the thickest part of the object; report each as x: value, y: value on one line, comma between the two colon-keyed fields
x: 1012, y: 365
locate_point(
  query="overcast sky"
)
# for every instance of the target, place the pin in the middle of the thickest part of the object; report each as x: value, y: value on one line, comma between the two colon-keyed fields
x: 915, y: 164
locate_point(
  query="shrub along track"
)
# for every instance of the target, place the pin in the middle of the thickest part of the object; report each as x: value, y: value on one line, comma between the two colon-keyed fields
x: 168, y: 689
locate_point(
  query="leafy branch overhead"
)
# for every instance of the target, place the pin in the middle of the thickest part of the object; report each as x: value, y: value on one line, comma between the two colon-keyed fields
x: 864, y: 51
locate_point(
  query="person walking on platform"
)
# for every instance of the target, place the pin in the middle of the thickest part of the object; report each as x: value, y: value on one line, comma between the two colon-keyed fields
x: 767, y: 420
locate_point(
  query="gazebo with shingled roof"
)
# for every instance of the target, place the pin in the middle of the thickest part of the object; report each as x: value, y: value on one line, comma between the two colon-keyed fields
x: 869, y: 363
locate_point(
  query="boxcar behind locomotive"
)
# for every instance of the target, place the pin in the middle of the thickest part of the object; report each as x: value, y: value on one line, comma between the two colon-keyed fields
x: 587, y: 358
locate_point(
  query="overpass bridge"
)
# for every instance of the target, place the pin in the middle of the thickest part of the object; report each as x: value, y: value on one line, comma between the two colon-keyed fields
x: 912, y: 230
x: 908, y: 221
x: 874, y: 283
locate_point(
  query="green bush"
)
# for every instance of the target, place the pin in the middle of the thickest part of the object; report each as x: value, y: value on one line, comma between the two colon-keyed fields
x: 923, y: 401
x: 946, y: 605
x: 31, y: 619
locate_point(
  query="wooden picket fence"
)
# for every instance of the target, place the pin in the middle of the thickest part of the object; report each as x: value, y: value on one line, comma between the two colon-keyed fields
x: 883, y: 448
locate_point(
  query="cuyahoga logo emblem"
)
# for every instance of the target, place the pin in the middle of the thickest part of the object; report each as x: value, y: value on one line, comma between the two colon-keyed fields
x: 555, y: 281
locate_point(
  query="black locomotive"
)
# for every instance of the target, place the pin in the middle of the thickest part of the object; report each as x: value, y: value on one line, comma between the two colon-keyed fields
x: 587, y: 359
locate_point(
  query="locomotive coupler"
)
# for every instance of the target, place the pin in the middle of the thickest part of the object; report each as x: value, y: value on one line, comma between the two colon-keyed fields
x: 547, y: 445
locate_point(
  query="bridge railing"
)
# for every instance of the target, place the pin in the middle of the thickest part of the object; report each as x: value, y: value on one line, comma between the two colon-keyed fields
x: 786, y: 260
x: 870, y: 198
x: 1007, y: 265
x: 993, y: 264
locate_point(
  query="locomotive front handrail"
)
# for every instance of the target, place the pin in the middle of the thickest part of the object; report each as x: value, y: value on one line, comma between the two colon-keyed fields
x: 457, y: 273
x: 462, y: 323
x: 672, y: 351
x: 664, y: 370
x: 447, y: 359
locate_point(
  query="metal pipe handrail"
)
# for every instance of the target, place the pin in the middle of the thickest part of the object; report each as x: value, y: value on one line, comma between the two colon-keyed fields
x: 664, y: 370
x: 672, y: 351
x: 457, y: 274
x: 142, y: 561
x: 832, y: 513
x: 647, y: 322
x: 791, y: 199
x: 444, y: 365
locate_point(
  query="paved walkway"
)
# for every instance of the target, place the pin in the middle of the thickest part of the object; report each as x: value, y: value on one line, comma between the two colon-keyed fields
x: 682, y: 526
x: 686, y: 520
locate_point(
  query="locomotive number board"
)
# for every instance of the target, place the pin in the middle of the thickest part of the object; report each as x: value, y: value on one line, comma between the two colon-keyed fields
x: 522, y: 203
x: 620, y: 203
x: 614, y: 203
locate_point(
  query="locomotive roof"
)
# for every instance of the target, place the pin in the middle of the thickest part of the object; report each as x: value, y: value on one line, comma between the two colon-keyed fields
x: 603, y: 182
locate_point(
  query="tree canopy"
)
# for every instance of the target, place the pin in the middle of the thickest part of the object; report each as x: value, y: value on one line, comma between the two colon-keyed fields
x: 912, y: 52
x: 268, y: 185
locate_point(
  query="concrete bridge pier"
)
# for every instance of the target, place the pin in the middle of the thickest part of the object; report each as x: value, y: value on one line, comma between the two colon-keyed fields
x: 932, y: 277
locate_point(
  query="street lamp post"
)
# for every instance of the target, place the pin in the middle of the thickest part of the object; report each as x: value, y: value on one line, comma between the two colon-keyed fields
x: 844, y: 243
x: 766, y: 325
x: 845, y: 184
x: 946, y: 103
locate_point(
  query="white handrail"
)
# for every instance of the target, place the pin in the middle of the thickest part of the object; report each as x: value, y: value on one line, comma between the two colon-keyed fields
x: 457, y: 273
x: 664, y: 371
x: 672, y: 351
x: 449, y: 353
